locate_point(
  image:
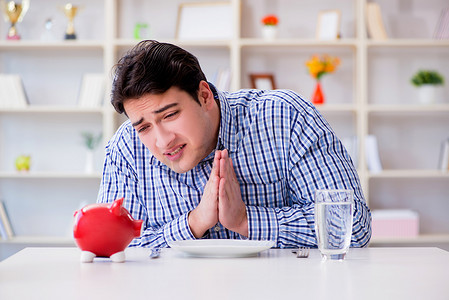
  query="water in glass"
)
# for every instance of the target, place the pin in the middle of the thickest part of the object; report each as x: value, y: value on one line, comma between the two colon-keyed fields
x: 333, y: 224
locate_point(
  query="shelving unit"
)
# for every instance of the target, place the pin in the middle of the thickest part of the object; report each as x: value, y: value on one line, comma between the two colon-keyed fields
x: 369, y: 94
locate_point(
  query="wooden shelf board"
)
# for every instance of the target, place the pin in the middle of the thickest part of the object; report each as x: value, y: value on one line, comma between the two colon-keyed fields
x: 30, y: 44
x: 343, y: 107
x: 406, y: 108
x: 38, y: 240
x: 250, y: 42
x: 52, y: 109
x: 421, y: 239
x: 410, y: 174
x: 408, y: 43
x: 48, y: 175
x: 193, y: 43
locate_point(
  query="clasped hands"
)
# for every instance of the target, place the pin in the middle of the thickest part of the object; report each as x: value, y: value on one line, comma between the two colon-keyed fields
x: 221, y: 200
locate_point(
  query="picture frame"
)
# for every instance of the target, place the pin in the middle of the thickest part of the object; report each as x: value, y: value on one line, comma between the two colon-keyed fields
x: 328, y: 26
x: 262, y: 81
x: 204, y: 21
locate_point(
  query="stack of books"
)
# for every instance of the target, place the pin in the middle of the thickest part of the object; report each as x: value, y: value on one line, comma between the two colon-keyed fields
x: 442, y: 27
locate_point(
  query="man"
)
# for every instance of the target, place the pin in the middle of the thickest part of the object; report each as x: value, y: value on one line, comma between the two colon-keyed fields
x: 194, y: 162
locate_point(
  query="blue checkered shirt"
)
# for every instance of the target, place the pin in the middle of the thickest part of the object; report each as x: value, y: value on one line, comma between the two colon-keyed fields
x: 282, y: 150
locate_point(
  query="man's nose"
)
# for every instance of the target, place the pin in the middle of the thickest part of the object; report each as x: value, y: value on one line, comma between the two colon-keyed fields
x: 163, y: 137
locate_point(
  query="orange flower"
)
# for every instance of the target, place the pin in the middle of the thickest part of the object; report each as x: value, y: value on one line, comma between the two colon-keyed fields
x: 270, y: 20
x: 318, y: 66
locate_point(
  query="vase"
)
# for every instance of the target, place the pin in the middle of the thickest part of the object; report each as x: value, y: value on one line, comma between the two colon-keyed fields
x: 318, y: 96
x: 426, y: 93
x: 269, y: 32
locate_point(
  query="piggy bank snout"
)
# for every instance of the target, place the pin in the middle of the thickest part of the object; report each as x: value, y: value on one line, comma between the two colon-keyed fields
x: 138, y: 228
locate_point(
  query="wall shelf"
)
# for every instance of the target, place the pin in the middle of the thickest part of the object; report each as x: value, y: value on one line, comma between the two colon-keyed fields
x: 409, y: 174
x: 369, y: 94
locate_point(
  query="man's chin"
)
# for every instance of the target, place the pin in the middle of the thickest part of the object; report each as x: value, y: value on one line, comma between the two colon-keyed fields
x: 178, y: 168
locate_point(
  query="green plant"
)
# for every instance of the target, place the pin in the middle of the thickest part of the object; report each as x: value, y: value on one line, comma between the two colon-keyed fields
x: 91, y: 140
x: 427, y: 77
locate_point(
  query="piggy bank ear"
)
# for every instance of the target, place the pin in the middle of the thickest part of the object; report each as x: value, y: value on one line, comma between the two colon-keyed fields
x: 116, y: 207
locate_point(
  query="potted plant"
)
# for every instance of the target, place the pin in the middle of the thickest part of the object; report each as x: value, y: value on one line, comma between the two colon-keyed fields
x: 269, y: 30
x: 426, y: 81
x: 91, y: 141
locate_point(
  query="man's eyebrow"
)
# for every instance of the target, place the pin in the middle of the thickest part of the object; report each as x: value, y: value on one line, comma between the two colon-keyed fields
x: 137, y: 123
x: 164, y: 108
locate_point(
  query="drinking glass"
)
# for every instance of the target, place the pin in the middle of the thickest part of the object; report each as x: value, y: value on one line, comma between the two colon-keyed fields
x: 333, y: 222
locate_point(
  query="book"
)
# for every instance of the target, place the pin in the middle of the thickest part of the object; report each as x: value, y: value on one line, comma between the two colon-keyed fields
x: 351, y: 145
x: 375, y: 24
x: 372, y: 154
x: 12, y: 93
x: 223, y: 79
x: 5, y: 225
x: 92, y: 90
x: 442, y: 26
x: 444, y: 156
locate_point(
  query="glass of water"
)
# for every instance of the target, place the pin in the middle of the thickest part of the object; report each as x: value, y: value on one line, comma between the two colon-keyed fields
x: 333, y: 222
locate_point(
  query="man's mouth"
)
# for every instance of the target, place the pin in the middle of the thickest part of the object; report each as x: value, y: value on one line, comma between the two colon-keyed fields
x: 176, y: 151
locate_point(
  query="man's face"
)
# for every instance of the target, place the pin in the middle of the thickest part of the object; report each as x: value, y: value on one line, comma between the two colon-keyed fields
x: 174, y: 127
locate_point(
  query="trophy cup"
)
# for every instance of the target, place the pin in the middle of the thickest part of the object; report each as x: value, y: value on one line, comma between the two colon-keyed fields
x: 70, y: 11
x: 14, y: 13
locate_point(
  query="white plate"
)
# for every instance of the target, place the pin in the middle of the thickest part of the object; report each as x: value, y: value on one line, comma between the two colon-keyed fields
x: 221, y: 248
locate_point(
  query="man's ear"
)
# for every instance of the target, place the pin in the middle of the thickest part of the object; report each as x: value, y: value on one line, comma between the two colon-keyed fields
x: 205, y: 95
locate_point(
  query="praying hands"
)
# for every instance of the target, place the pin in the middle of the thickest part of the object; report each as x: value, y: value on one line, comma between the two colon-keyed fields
x: 221, y: 200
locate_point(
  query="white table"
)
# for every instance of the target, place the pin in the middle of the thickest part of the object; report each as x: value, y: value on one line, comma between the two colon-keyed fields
x: 371, y: 273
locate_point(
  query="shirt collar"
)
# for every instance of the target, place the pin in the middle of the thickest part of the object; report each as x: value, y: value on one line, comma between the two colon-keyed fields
x: 227, y: 135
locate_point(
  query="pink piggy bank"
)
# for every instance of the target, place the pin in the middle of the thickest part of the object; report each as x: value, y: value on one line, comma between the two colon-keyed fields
x: 105, y: 230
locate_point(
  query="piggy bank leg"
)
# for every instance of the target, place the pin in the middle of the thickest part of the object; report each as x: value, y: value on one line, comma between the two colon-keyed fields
x: 87, y: 256
x: 118, y: 257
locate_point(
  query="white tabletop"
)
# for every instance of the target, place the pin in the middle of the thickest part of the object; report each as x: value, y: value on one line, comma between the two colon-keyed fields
x: 370, y: 273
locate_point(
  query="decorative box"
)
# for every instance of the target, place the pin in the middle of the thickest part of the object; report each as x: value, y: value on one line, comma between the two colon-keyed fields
x: 395, y: 223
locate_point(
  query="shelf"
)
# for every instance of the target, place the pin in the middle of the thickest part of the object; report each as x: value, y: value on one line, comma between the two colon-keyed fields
x: 421, y: 239
x: 52, y: 109
x: 250, y: 42
x: 39, y: 240
x: 408, y: 43
x: 399, y: 108
x: 181, y: 43
x: 337, y: 107
x: 370, y: 94
x: 409, y: 174
x: 30, y: 45
x: 49, y: 175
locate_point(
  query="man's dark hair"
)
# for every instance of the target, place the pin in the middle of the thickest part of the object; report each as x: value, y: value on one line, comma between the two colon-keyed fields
x: 152, y: 67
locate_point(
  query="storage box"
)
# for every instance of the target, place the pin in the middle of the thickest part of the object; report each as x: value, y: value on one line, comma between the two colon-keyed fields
x: 395, y: 223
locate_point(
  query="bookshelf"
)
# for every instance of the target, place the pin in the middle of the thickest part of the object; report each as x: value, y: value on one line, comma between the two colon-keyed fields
x: 369, y: 94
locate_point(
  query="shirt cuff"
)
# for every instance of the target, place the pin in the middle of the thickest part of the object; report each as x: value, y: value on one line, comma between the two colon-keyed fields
x: 178, y: 229
x: 262, y: 223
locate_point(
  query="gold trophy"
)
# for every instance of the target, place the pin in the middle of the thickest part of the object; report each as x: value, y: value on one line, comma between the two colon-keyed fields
x: 14, y: 13
x: 70, y: 11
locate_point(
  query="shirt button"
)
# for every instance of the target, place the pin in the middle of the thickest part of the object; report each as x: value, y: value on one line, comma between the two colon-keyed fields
x: 217, y: 228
